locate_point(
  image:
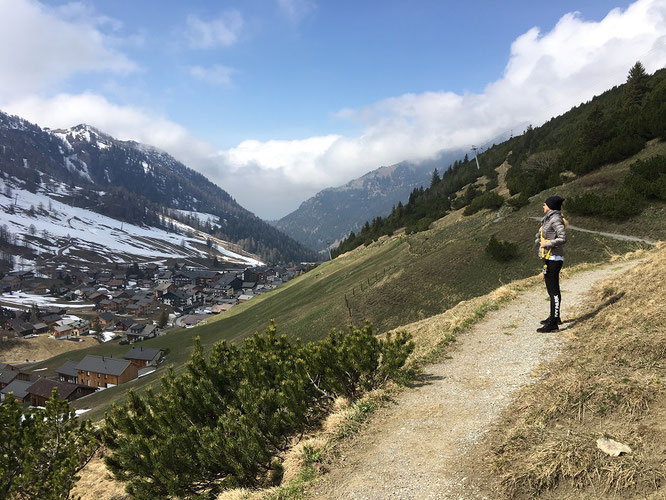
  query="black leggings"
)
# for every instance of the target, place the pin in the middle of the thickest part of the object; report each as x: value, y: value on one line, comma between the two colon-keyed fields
x: 552, y: 279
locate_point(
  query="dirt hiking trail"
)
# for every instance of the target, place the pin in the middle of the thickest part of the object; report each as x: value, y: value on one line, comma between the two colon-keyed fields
x: 422, y: 446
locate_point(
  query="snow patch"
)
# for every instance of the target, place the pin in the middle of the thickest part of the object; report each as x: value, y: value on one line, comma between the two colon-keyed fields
x: 30, y: 299
x: 64, y: 229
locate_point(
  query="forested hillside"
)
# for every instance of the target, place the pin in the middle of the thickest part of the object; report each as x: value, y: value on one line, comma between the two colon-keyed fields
x: 327, y: 217
x: 609, y: 128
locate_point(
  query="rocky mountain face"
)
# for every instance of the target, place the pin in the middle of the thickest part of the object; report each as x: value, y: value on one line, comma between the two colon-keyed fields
x: 133, y: 182
x: 331, y: 214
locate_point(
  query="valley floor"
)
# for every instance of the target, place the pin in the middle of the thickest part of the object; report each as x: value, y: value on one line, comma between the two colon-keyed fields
x: 427, y: 444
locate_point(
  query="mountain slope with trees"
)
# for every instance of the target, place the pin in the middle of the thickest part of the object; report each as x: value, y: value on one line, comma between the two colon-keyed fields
x: 609, y: 128
x: 327, y: 217
x: 133, y: 182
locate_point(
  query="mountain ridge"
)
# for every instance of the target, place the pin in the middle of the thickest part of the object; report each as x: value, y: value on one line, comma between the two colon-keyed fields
x: 324, y: 219
x: 139, y: 182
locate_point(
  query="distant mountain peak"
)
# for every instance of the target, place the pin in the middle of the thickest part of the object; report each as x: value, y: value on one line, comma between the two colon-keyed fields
x: 139, y: 183
x: 332, y: 213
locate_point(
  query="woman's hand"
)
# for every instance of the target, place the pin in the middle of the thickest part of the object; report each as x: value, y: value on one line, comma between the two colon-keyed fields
x: 543, y: 244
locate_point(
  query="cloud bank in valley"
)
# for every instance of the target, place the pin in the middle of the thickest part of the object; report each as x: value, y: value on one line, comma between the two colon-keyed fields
x: 546, y: 74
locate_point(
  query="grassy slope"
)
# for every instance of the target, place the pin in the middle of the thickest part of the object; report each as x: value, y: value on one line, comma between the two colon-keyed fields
x: 394, y: 281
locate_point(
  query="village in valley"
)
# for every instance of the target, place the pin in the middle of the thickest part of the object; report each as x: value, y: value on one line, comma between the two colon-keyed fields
x: 125, y: 305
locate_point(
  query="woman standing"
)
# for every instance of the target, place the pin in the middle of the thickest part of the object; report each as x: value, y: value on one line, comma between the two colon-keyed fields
x: 551, y: 238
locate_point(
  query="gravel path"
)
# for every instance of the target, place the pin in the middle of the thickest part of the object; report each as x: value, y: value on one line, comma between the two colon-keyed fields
x: 418, y: 448
x: 615, y: 236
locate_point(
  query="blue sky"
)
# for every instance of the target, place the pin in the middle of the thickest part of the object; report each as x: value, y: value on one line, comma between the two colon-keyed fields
x: 277, y: 99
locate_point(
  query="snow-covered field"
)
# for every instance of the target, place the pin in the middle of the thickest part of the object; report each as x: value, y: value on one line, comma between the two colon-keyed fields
x: 202, y: 216
x: 68, y: 229
x: 28, y: 299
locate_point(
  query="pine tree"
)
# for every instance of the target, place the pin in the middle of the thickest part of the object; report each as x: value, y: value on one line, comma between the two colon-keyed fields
x: 593, y: 130
x: 42, y: 452
x: 435, y: 178
x: 637, y: 86
x: 34, y: 313
x: 97, y: 325
x: 164, y: 318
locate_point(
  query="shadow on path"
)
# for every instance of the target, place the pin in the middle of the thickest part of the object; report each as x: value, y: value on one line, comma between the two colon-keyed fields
x: 425, y: 379
x: 571, y: 323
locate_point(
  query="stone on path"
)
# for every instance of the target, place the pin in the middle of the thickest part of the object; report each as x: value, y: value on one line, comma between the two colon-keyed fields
x: 612, y: 447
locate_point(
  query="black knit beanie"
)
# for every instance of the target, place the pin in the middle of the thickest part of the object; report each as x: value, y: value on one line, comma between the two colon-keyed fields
x: 554, y: 202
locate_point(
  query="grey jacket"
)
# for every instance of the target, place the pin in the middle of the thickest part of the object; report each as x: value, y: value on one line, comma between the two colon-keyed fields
x: 553, y: 229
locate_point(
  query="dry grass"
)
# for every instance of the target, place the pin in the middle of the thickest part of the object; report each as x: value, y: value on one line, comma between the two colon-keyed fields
x: 39, y: 348
x: 607, y: 381
x: 96, y: 483
x: 501, y: 188
x: 431, y: 333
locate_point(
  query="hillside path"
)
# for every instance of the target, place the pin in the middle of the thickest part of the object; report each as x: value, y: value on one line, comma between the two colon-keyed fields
x: 421, y: 447
x: 616, y: 236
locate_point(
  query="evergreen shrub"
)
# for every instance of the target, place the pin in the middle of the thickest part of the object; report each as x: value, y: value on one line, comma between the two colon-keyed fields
x: 490, y: 200
x: 517, y: 202
x: 420, y: 225
x: 223, y: 422
x: 648, y: 178
x: 41, y: 452
x: 619, y: 204
x: 502, y: 251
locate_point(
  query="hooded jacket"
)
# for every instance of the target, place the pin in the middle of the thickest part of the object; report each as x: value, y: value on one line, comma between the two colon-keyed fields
x: 553, y: 230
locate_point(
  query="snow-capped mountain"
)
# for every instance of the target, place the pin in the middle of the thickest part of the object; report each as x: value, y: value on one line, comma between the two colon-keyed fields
x: 133, y: 183
x: 46, y: 232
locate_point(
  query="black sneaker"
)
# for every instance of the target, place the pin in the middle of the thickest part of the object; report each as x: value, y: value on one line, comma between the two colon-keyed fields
x: 547, y: 320
x: 548, y: 327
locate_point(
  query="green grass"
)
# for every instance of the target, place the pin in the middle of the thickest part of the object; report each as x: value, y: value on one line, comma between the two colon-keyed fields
x: 392, y: 282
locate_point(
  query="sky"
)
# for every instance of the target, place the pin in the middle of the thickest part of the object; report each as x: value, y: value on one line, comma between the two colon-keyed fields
x: 274, y: 100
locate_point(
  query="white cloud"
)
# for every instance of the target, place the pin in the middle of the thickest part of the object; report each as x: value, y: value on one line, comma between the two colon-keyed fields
x: 79, y: 12
x: 216, y: 74
x: 547, y: 74
x: 40, y: 47
x: 297, y: 10
x: 221, y: 32
x: 121, y: 122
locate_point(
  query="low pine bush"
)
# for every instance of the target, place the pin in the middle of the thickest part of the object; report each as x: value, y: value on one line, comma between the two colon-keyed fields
x: 222, y: 423
x: 620, y: 204
x: 646, y: 181
x: 502, y: 251
x: 42, y: 451
x: 517, y: 202
x: 489, y: 200
x: 420, y: 225
x: 648, y: 178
